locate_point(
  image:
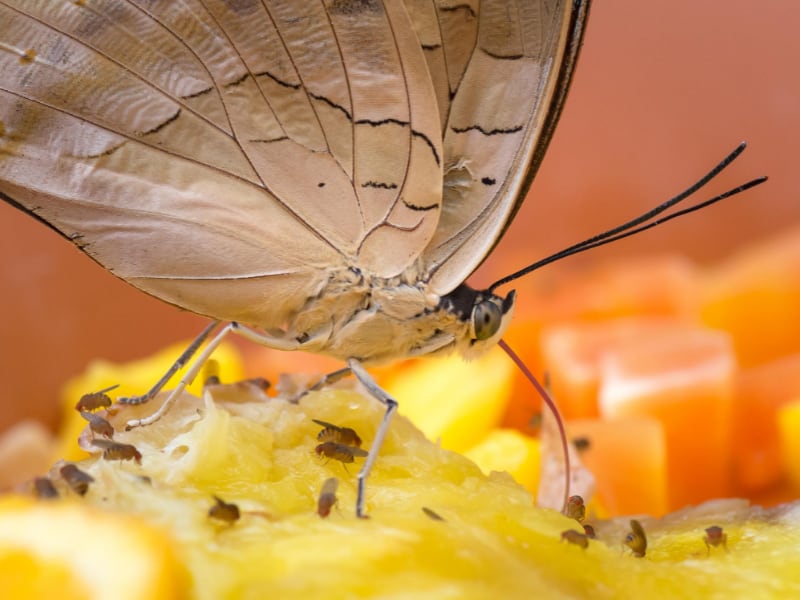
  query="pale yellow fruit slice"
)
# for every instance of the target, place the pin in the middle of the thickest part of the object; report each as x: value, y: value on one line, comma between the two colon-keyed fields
x: 64, y: 550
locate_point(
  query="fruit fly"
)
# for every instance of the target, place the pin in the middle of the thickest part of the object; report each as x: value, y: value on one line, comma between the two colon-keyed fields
x: 327, y: 497
x: 260, y: 382
x: 589, y: 531
x: 581, y: 443
x: 44, y: 488
x: 340, y: 452
x: 575, y: 537
x: 224, y: 511
x: 432, y: 514
x: 575, y: 508
x: 95, y: 400
x: 98, y: 425
x: 636, y: 539
x: 212, y: 380
x: 715, y: 536
x: 334, y: 433
x: 118, y: 451
x: 77, y: 480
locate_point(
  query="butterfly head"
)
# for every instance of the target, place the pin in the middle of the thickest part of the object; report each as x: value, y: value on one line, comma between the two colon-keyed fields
x: 487, y: 316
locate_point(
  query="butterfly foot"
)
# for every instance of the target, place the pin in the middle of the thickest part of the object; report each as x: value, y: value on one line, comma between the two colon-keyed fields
x: 134, y: 400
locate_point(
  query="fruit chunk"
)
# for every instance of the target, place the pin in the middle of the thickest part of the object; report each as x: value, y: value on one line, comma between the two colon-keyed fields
x: 760, y: 393
x: 509, y: 450
x: 684, y: 379
x: 628, y: 458
x: 574, y: 354
x: 658, y: 287
x: 65, y: 550
x: 755, y: 296
x: 452, y: 400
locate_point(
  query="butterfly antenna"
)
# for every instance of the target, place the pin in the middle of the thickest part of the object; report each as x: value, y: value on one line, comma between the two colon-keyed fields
x: 551, y: 405
x: 641, y: 223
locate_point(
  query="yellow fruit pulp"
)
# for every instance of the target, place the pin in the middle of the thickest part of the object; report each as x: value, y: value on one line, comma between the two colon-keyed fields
x: 258, y: 453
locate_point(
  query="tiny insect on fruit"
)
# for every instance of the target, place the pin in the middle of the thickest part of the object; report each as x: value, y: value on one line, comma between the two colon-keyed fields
x: 576, y: 509
x: 575, y: 537
x: 224, y: 511
x: 95, y: 400
x: 118, y: 450
x: 77, y: 480
x: 581, y: 444
x: 636, y: 539
x: 432, y: 514
x: 715, y: 536
x: 340, y: 452
x: 327, y: 497
x: 98, y: 425
x: 334, y: 433
x: 44, y: 488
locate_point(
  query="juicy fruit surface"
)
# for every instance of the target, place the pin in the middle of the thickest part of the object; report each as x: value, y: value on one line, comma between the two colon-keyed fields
x: 258, y: 453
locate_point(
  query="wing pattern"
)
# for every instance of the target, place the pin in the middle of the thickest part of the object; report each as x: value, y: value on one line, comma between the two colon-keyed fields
x: 507, y: 66
x: 225, y: 156
x: 221, y: 154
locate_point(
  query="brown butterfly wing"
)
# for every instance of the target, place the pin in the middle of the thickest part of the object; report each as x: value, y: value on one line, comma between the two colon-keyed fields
x: 507, y: 65
x: 224, y: 157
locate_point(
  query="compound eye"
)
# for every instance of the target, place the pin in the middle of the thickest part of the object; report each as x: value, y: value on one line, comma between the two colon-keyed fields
x: 486, y: 319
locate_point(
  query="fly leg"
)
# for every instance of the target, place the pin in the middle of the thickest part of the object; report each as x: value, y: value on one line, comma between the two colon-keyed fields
x: 391, y: 406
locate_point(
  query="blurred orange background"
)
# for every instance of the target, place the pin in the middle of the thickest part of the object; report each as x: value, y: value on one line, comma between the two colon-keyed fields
x: 662, y: 92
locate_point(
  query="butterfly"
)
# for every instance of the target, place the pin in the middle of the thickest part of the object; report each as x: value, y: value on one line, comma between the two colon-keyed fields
x: 321, y: 176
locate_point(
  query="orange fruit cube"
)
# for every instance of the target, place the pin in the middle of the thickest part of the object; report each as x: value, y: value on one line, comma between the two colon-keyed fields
x: 755, y: 296
x: 628, y: 459
x: 683, y: 378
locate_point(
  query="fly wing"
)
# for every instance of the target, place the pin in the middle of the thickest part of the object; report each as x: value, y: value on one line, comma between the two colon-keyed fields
x: 223, y: 156
x: 501, y: 70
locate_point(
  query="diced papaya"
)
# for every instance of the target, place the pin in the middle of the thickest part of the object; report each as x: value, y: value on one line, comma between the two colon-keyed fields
x: 573, y: 355
x: 660, y: 286
x: 755, y: 296
x: 684, y: 379
x: 760, y: 393
x: 628, y: 458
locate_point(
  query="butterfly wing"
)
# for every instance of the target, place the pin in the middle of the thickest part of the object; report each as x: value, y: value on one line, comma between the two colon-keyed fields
x: 504, y: 67
x: 223, y: 156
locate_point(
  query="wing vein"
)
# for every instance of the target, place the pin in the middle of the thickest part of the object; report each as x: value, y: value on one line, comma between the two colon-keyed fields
x: 352, y: 116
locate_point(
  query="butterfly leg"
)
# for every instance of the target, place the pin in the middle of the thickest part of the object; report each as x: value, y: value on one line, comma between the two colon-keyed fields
x: 328, y: 379
x: 187, y: 378
x: 391, y: 406
x: 176, y: 366
x: 256, y: 336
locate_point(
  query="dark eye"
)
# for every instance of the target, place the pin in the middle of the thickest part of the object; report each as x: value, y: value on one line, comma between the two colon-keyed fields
x: 486, y: 319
